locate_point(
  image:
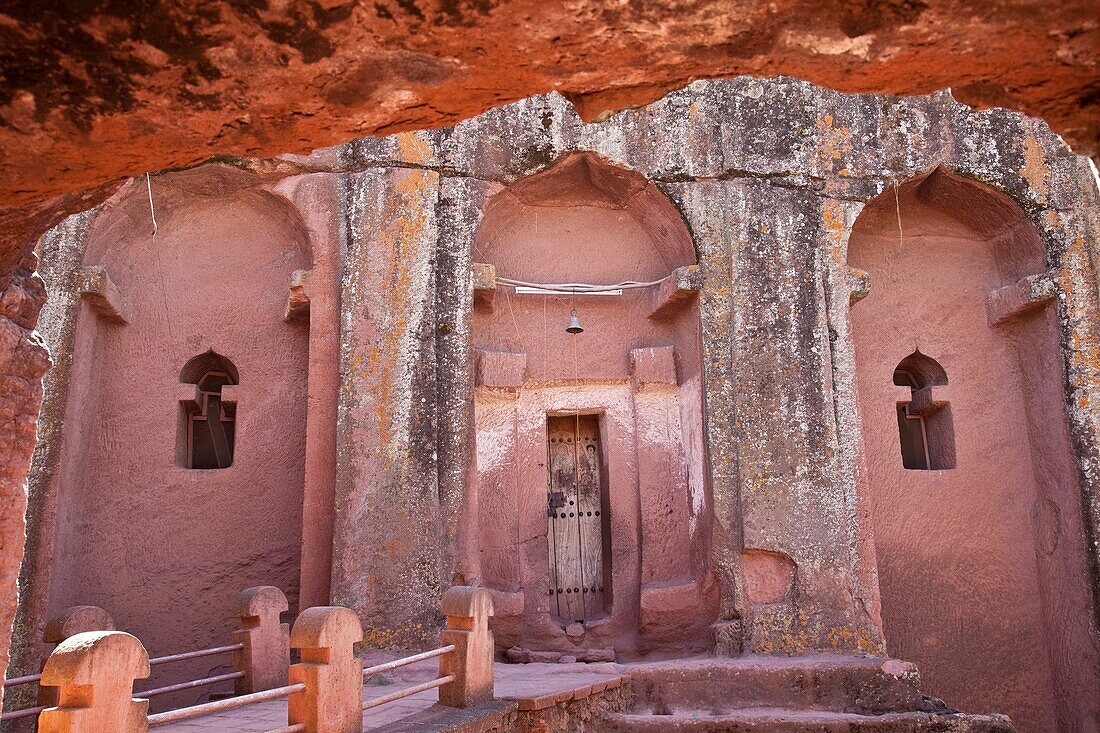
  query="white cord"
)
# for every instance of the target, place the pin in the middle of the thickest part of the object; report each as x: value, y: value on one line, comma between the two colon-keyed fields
x: 579, y: 287
x: 897, y: 206
x: 152, y: 213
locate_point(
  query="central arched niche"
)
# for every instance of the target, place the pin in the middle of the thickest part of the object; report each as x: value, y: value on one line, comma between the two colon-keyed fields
x: 622, y: 402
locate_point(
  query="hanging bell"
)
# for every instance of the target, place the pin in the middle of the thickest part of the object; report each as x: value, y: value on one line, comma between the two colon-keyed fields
x: 574, y: 324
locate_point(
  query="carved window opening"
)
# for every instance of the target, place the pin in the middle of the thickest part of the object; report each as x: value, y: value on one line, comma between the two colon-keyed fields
x: 925, y: 426
x: 209, y: 420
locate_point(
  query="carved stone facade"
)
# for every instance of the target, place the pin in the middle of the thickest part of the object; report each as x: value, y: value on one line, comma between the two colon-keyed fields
x: 743, y: 497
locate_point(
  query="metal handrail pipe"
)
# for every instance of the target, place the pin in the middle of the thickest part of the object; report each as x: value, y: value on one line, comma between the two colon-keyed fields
x: 438, y: 682
x: 387, y: 666
x: 12, y: 715
x: 195, y: 654
x: 156, y: 660
x: 22, y: 680
x: 231, y: 703
x: 188, y: 685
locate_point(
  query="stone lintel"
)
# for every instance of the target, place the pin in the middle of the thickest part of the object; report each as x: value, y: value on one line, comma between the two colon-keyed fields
x: 96, y: 287
x: 923, y: 402
x: 926, y: 400
x: 675, y: 290
x: 500, y: 369
x: 485, y: 284
x: 1026, y: 295
x: 859, y: 285
x: 297, y: 302
x: 189, y: 393
x: 653, y: 365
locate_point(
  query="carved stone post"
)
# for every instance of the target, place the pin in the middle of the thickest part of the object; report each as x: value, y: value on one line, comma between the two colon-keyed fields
x: 467, y: 610
x: 70, y: 622
x: 265, y: 656
x: 333, y: 699
x: 95, y: 672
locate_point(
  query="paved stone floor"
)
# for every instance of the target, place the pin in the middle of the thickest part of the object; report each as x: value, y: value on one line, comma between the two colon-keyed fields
x: 513, y: 681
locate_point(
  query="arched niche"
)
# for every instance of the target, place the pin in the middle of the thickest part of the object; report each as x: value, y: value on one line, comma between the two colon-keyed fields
x: 962, y: 295
x: 618, y: 406
x: 208, y: 361
x: 583, y: 220
x: 925, y: 428
x: 207, y: 424
x: 138, y: 530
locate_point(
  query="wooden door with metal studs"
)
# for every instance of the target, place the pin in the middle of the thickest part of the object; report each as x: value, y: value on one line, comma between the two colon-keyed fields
x: 574, y: 507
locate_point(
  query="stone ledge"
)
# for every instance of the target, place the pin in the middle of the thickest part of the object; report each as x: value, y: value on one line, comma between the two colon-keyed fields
x: 541, y: 702
x: 498, y: 715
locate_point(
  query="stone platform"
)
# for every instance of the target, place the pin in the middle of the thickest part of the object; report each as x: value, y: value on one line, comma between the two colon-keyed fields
x: 698, y: 695
x: 519, y: 687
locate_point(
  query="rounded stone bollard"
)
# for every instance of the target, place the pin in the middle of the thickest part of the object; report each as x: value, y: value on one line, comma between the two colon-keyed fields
x: 264, y: 656
x: 467, y: 610
x: 333, y: 699
x: 95, y: 673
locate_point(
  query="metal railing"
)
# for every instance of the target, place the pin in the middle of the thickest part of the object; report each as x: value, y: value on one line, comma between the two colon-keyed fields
x: 260, y: 630
x: 94, y: 671
x: 405, y: 661
x: 26, y: 679
x: 232, y: 703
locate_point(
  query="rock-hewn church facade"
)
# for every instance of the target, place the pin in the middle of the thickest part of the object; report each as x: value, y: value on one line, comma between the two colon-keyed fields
x: 759, y: 367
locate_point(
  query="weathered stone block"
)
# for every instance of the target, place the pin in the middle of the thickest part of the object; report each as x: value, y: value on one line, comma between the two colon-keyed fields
x: 1022, y: 297
x: 501, y: 369
x: 653, y: 365
x: 96, y: 286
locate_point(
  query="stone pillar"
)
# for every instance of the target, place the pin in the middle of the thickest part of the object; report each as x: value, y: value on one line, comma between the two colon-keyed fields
x: 709, y: 207
x: 265, y: 656
x: 467, y: 610
x: 95, y: 672
x: 317, y: 199
x: 460, y: 211
x: 779, y: 474
x: 333, y: 699
x: 387, y: 538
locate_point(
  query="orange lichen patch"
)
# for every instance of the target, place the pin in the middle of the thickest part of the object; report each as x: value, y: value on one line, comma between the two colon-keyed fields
x: 832, y: 214
x: 414, y: 148
x: 834, y: 141
x: 404, y: 637
x: 402, y: 239
x: 1035, y: 170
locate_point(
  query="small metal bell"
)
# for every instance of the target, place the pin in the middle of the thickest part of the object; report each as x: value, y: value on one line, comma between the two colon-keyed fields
x: 574, y: 324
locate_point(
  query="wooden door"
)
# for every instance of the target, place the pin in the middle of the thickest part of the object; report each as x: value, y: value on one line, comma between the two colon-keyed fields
x: 574, y: 506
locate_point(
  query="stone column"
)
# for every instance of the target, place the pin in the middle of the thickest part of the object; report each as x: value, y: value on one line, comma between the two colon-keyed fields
x: 460, y: 210
x: 318, y: 198
x: 386, y: 537
x: 783, y: 501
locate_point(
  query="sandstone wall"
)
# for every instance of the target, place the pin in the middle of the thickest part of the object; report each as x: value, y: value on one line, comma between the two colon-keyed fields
x: 96, y: 93
x: 769, y: 177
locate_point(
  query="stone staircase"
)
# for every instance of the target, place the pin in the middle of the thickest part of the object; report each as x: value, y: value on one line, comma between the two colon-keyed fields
x: 785, y: 694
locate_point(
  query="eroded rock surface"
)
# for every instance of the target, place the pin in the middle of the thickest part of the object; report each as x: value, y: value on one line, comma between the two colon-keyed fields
x: 95, y: 91
x: 98, y: 90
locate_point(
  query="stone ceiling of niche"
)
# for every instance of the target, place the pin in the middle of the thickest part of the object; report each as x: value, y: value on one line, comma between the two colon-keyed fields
x: 96, y: 90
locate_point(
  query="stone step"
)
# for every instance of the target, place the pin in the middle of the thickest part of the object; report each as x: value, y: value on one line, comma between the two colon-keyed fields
x: 786, y: 720
x: 866, y: 685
